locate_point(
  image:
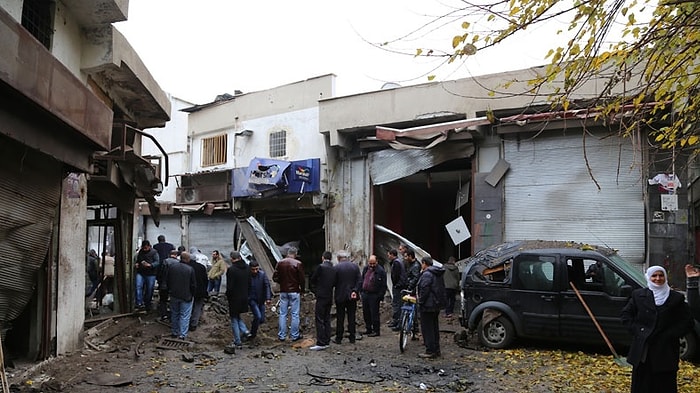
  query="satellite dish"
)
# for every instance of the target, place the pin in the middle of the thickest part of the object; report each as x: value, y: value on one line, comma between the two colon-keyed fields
x: 390, y: 85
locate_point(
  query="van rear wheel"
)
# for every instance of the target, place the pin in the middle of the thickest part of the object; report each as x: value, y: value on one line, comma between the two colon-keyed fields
x: 498, y: 333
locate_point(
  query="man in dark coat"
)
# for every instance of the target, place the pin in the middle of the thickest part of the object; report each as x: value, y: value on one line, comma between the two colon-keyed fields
x: 431, y: 296
x: 237, y: 287
x: 181, y: 285
x: 147, y: 263
x: 347, y: 288
x: 322, y: 281
x: 373, y: 290
x: 163, y: 295
x: 398, y: 283
x: 200, y: 294
x: 163, y: 248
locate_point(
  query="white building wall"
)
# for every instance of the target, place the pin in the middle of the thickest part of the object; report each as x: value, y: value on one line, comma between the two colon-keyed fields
x: 173, y: 139
x: 303, y: 140
x: 67, y: 41
x: 13, y: 7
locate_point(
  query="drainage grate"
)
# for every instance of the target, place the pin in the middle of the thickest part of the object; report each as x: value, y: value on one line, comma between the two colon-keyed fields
x: 173, y: 343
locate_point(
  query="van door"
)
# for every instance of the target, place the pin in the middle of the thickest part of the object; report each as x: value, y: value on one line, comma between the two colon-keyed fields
x: 534, y: 296
x: 605, y: 291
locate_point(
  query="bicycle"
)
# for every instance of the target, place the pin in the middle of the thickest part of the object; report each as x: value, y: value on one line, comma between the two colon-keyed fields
x: 408, y: 314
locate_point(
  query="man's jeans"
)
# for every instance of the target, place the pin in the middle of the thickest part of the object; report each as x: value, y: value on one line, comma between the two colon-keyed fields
x: 238, y: 327
x: 180, y: 313
x: 258, y: 311
x: 289, y: 301
x: 144, y: 295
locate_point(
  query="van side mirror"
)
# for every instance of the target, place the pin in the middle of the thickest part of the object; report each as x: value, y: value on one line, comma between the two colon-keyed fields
x: 626, y: 290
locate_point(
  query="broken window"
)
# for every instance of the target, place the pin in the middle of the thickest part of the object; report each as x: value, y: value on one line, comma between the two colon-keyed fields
x: 37, y: 19
x: 214, y: 150
x: 278, y: 144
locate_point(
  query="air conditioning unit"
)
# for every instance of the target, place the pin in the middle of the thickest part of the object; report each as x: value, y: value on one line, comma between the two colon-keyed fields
x: 187, y: 195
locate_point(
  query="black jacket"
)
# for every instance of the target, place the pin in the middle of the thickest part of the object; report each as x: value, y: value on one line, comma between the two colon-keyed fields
x: 431, y: 289
x: 398, y: 274
x: 347, y: 281
x: 200, y: 275
x: 378, y: 280
x: 656, y: 330
x: 237, y: 287
x: 322, y: 280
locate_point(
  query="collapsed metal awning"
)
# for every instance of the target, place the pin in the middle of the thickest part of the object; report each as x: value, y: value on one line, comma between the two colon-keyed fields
x: 388, y: 165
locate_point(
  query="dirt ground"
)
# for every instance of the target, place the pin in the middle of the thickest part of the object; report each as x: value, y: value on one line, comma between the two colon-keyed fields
x: 135, y: 354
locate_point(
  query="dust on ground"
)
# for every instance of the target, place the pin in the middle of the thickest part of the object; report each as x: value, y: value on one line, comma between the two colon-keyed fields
x: 135, y: 354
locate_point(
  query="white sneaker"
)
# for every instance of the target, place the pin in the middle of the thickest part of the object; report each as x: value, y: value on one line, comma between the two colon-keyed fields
x: 318, y: 347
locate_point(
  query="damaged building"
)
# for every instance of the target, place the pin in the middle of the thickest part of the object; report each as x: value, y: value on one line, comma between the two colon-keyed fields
x: 257, y: 154
x: 75, y: 97
x: 416, y: 159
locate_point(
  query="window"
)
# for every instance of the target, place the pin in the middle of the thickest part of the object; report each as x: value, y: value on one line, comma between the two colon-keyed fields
x: 214, y: 150
x: 278, y: 144
x: 37, y: 19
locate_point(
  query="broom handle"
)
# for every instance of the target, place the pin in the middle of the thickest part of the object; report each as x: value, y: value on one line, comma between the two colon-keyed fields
x: 3, y: 376
x: 595, y: 321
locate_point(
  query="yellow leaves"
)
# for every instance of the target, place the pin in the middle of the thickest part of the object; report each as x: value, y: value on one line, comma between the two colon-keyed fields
x: 431, y: 78
x: 458, y: 39
x: 419, y: 51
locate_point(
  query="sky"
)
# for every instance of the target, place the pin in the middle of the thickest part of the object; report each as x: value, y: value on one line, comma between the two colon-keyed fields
x: 199, y: 49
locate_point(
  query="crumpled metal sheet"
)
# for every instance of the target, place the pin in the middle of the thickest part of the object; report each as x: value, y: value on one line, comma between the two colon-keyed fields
x: 388, y: 165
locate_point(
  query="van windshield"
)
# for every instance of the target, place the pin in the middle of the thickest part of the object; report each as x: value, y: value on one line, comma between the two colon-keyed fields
x: 628, y: 268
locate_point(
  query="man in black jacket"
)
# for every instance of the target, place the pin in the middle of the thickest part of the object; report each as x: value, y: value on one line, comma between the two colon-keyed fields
x: 323, y: 280
x: 147, y: 264
x: 237, y: 287
x: 431, y: 299
x: 373, y: 290
x: 347, y: 289
x: 200, y: 294
x: 398, y: 283
x: 181, y: 285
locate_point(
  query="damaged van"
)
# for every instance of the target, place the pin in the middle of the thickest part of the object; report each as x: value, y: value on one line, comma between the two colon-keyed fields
x: 528, y: 289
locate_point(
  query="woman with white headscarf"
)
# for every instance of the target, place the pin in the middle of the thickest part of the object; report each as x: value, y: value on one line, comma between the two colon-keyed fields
x: 657, y: 317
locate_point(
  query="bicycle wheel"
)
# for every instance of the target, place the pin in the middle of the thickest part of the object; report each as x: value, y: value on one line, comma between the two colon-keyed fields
x: 406, y: 330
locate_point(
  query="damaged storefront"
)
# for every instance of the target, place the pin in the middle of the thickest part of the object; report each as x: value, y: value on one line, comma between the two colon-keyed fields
x: 57, y: 115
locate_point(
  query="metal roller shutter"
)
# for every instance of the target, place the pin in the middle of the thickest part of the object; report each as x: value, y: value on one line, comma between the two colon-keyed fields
x: 549, y: 193
x: 215, y: 232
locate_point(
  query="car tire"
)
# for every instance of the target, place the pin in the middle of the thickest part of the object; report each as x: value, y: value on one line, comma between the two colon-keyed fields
x: 498, y: 333
x: 689, y: 346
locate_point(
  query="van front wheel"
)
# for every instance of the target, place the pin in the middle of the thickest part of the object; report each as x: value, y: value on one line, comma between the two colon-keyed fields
x: 498, y: 333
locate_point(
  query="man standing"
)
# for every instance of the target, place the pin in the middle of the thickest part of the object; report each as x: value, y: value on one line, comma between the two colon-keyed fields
x: 163, y: 248
x: 347, y: 288
x: 431, y: 299
x: 259, y: 295
x: 373, y: 290
x: 200, y: 294
x: 180, y: 282
x: 289, y: 274
x: 238, y: 286
x: 398, y: 283
x: 323, y: 280
x: 451, y: 279
x: 163, y: 295
x: 146, y: 263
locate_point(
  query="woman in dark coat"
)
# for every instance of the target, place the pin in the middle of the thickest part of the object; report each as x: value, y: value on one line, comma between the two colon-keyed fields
x: 657, y: 317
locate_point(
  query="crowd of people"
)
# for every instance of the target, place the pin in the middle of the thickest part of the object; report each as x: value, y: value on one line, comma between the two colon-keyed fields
x: 186, y: 278
x: 656, y: 315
